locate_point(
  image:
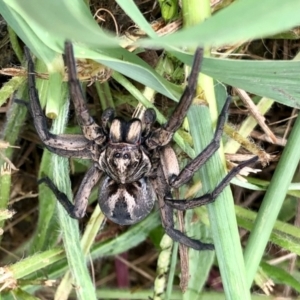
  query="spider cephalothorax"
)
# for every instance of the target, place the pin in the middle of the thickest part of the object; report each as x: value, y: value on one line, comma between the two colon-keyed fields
x: 133, y: 164
x: 124, y: 159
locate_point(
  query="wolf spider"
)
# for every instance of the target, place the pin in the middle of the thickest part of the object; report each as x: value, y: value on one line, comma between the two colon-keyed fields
x: 132, y: 163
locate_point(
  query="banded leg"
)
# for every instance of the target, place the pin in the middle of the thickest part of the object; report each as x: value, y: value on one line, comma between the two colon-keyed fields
x: 78, y: 209
x: 70, y: 144
x: 90, y: 129
x: 209, y: 197
x: 162, y: 189
x: 83, y: 154
x: 163, y: 135
x: 188, y: 95
x: 189, y: 170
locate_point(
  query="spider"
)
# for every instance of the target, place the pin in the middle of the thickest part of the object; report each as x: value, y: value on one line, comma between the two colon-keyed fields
x: 132, y: 163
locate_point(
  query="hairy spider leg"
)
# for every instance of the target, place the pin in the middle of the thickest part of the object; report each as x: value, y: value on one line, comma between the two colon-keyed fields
x: 182, y: 204
x: 169, y: 168
x: 90, y: 129
x: 188, y: 171
x: 83, y: 116
x: 64, y: 145
x: 77, y: 210
x: 162, y: 136
x: 178, y: 115
x: 164, y: 182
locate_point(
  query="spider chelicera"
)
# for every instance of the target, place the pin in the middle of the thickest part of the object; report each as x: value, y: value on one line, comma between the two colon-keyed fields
x: 132, y: 163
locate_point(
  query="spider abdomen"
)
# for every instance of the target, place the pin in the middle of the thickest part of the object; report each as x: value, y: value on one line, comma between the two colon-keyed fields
x: 128, y: 203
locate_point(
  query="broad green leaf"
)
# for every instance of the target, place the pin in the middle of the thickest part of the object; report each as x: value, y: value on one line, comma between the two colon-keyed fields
x: 273, y: 79
x: 278, y: 80
x: 241, y: 21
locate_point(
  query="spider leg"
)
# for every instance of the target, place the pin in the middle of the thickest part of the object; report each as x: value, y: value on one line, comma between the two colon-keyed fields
x: 163, y: 135
x: 188, y: 95
x: 68, y: 143
x: 209, y: 197
x: 186, y: 174
x: 148, y: 119
x: 83, y: 154
x: 90, y: 129
x: 78, y: 209
x: 161, y: 187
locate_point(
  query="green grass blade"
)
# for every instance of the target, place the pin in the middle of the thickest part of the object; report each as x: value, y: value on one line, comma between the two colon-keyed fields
x: 278, y: 275
x: 277, y: 80
x: 221, y: 212
x: 134, y: 236
x: 10, y: 134
x: 9, y: 88
x: 272, y: 202
x: 69, y: 227
x: 172, y: 272
x: 284, y: 235
x: 108, y: 293
x: 131, y: 9
x: 13, y: 125
x: 29, y: 18
x: 47, y: 228
x: 5, y: 183
x: 162, y: 269
x: 235, y: 24
x: 52, y: 96
x: 200, y: 262
x: 88, y: 238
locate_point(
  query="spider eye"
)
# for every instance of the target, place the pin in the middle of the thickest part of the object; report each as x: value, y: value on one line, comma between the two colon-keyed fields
x: 117, y: 155
x: 126, y: 156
